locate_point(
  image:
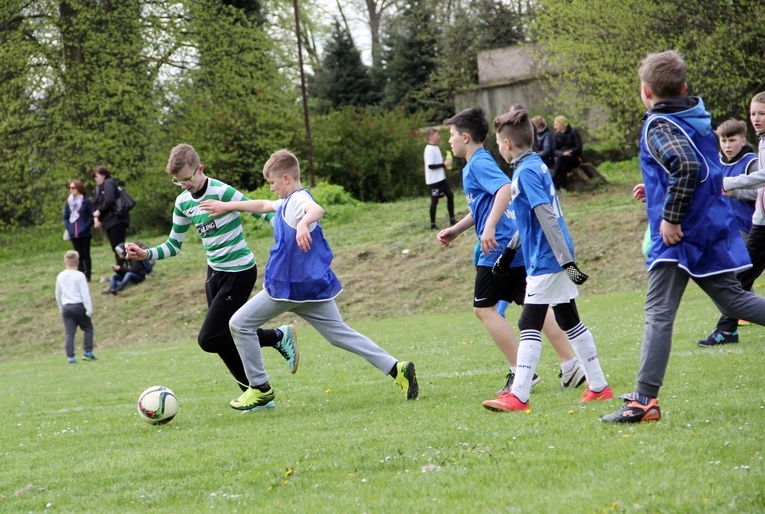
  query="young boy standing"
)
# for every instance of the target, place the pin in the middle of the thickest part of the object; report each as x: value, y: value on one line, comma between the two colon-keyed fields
x: 737, y: 158
x: 548, y: 256
x: 231, y: 270
x: 435, y: 177
x: 693, y: 230
x: 487, y: 191
x: 298, y: 279
x: 73, y: 299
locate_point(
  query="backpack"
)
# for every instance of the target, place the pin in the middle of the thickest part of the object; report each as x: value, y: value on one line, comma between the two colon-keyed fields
x: 123, y: 203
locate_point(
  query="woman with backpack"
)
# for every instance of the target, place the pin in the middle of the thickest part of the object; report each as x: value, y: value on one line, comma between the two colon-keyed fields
x: 105, y: 215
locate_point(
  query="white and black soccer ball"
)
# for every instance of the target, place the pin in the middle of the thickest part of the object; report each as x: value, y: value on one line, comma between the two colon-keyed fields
x: 157, y: 405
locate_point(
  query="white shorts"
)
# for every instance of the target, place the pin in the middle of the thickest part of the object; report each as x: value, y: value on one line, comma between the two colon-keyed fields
x: 550, y: 289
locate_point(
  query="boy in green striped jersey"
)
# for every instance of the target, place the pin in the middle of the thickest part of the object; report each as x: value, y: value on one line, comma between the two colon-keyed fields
x: 231, y: 269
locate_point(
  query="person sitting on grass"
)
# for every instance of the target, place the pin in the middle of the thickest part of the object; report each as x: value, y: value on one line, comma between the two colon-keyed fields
x: 130, y: 271
x: 298, y: 279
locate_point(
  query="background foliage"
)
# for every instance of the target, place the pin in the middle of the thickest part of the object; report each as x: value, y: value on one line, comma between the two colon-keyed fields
x: 120, y: 82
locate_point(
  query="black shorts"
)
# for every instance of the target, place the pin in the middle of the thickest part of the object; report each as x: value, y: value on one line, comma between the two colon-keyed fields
x: 490, y: 289
x: 439, y: 189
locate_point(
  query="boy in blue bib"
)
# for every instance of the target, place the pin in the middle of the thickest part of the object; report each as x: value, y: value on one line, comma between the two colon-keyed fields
x: 298, y: 279
x: 693, y: 230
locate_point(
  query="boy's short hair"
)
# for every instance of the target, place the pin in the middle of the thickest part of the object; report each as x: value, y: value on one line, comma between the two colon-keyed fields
x: 282, y: 161
x: 560, y: 120
x: 71, y: 258
x: 515, y: 126
x: 759, y: 98
x: 430, y: 131
x: 182, y: 156
x: 471, y: 120
x: 664, y: 73
x: 731, y: 127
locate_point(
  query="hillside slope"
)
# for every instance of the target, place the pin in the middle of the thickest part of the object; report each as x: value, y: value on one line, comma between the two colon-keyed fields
x: 388, y: 260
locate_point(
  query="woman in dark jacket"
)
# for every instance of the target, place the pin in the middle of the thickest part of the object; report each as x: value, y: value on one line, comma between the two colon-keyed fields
x: 104, y: 216
x: 78, y: 220
x: 568, y: 151
x: 545, y: 145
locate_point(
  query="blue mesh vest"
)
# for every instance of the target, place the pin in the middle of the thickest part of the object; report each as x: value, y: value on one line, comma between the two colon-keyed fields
x: 711, y: 243
x: 292, y: 274
x: 742, y: 209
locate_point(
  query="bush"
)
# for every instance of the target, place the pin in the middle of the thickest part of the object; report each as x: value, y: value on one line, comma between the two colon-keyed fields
x: 374, y: 156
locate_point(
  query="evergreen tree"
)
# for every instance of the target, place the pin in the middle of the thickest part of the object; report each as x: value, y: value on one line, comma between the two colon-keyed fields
x: 342, y: 79
x: 411, y: 46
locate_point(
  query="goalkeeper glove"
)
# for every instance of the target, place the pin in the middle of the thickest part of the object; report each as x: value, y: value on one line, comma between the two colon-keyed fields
x: 575, y: 274
x: 501, y: 268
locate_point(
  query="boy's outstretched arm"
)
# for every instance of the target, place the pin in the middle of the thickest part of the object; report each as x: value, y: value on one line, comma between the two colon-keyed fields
x: 218, y: 208
x: 313, y: 213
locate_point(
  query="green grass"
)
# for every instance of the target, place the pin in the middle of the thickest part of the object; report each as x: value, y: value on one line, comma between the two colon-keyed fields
x: 342, y: 438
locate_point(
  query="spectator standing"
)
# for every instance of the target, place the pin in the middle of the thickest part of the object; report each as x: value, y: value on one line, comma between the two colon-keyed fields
x: 105, y: 216
x: 78, y: 222
x: 73, y: 299
x: 435, y: 177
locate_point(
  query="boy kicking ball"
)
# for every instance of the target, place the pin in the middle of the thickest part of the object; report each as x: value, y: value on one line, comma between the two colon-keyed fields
x: 298, y: 279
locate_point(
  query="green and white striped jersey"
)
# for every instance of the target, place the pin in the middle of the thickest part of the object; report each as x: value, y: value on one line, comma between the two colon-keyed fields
x: 222, y: 237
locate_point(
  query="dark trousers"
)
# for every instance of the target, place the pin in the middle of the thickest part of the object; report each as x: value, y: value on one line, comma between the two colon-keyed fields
x: 755, y: 245
x: 74, y: 316
x: 563, y: 165
x: 82, y: 246
x: 226, y: 293
x: 116, y: 235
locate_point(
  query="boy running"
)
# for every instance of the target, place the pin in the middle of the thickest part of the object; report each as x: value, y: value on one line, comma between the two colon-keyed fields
x: 231, y: 270
x: 298, y: 279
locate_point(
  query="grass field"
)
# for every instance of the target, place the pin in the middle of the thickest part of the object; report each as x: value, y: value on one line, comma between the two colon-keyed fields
x: 343, y: 438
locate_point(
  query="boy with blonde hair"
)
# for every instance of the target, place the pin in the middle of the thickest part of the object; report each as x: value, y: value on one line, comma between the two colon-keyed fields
x: 693, y: 231
x: 231, y: 269
x: 551, y: 273
x: 298, y: 279
x: 73, y: 299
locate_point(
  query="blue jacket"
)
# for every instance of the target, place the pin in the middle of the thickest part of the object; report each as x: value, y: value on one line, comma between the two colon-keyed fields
x: 81, y: 227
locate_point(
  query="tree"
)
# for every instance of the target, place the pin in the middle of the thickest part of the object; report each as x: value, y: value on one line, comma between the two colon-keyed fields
x: 470, y: 27
x: 409, y: 57
x: 596, y: 48
x: 229, y: 100
x: 342, y: 79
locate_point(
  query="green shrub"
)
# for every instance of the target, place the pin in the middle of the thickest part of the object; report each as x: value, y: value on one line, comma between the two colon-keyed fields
x: 374, y: 156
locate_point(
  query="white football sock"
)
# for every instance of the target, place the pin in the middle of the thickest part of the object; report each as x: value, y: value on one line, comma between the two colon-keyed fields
x: 529, y: 350
x: 584, y: 347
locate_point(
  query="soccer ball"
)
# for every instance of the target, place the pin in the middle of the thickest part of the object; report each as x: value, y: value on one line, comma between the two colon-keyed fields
x: 157, y: 405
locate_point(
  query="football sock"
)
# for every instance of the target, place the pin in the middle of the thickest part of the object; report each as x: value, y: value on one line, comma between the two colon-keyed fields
x: 394, y: 371
x: 584, y: 347
x: 269, y: 337
x: 263, y: 388
x: 529, y: 350
x: 644, y: 398
x: 568, y: 365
